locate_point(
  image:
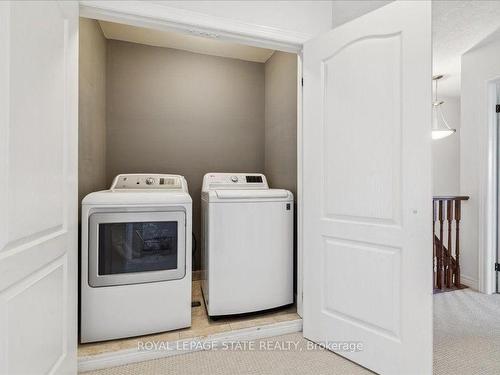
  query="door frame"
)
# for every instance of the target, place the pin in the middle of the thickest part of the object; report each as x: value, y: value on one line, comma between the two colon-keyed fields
x: 488, y: 197
x: 165, y: 17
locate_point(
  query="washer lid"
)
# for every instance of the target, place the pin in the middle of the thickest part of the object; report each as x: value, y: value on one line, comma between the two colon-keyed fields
x: 259, y: 194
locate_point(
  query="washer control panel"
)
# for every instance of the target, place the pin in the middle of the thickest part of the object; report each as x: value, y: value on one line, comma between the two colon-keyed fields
x: 234, y: 181
x: 146, y: 181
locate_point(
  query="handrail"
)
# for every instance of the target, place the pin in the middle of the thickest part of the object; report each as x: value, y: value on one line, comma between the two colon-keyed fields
x: 450, y: 198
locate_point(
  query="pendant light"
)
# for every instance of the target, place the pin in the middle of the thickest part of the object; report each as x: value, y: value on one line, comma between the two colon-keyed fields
x: 440, y: 127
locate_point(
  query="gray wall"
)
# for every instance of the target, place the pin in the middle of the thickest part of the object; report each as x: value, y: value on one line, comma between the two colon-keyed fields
x: 280, y: 165
x: 92, y: 109
x: 171, y: 111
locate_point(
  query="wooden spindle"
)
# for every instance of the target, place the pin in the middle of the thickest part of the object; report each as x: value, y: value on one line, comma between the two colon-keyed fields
x: 457, y: 242
x: 440, y: 257
x: 445, y: 261
x: 434, y: 254
x: 449, y: 217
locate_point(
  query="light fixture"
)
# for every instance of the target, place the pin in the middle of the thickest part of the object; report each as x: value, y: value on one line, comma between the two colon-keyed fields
x: 440, y: 127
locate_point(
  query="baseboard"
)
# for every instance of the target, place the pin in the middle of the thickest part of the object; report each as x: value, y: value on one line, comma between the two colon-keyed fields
x: 127, y: 356
x: 469, y: 281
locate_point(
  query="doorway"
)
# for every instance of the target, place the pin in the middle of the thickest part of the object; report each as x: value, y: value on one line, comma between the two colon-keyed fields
x: 239, y: 90
x: 463, y: 319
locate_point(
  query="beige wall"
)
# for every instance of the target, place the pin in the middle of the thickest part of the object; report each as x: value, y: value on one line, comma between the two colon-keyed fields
x: 280, y: 164
x: 92, y: 109
x: 171, y: 111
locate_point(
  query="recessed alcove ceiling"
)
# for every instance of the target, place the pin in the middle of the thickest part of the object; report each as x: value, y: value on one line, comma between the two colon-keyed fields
x: 208, y: 45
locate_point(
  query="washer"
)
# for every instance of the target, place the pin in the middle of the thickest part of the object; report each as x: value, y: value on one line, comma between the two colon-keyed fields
x: 247, y: 244
x: 136, y: 257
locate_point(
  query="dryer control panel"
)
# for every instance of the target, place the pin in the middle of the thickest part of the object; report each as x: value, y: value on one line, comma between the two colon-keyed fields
x: 147, y: 181
x: 212, y: 181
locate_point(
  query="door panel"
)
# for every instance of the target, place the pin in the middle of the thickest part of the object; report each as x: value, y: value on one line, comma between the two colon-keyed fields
x: 38, y: 196
x: 379, y: 308
x: 367, y: 190
x: 376, y: 163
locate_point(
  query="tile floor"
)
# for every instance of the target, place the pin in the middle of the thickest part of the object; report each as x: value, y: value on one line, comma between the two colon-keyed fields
x: 201, y: 326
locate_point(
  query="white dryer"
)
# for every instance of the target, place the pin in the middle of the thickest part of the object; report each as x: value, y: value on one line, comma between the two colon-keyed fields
x: 136, y: 257
x: 247, y: 244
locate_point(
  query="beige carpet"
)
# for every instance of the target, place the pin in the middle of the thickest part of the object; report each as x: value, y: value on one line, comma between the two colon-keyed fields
x: 466, y: 342
x: 289, y: 362
x: 466, y: 333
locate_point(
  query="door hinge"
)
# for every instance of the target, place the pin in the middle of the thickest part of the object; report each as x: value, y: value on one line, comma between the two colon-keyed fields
x: 497, y: 266
x: 498, y: 108
x: 302, y: 83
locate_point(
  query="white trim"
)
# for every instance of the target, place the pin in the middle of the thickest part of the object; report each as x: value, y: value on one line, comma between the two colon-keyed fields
x: 300, y: 209
x: 5, y: 117
x: 127, y: 356
x: 469, y: 281
x: 164, y: 17
x: 488, y: 199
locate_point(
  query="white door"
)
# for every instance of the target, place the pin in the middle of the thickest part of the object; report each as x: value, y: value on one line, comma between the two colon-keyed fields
x: 367, y: 189
x: 38, y: 187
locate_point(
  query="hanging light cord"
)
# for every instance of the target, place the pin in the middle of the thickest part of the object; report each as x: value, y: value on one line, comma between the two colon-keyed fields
x: 436, y: 91
x: 438, y: 103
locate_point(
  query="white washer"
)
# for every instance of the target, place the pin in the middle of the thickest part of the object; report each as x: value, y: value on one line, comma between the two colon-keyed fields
x: 247, y: 244
x: 136, y: 257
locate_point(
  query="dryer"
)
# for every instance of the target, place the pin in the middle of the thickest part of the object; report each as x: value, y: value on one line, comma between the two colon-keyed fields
x: 136, y: 258
x: 247, y: 244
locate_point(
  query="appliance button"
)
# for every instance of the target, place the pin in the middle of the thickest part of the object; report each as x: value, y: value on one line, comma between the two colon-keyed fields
x: 150, y: 181
x: 234, y: 178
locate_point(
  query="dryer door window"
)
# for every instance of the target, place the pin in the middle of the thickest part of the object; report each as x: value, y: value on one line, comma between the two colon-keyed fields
x: 137, y: 247
x: 130, y: 248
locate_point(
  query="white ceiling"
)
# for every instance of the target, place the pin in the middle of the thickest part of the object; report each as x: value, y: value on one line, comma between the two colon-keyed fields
x: 457, y: 27
x: 207, y: 46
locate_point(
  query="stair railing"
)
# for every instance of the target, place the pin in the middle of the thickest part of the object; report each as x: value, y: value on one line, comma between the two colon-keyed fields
x: 446, y: 258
